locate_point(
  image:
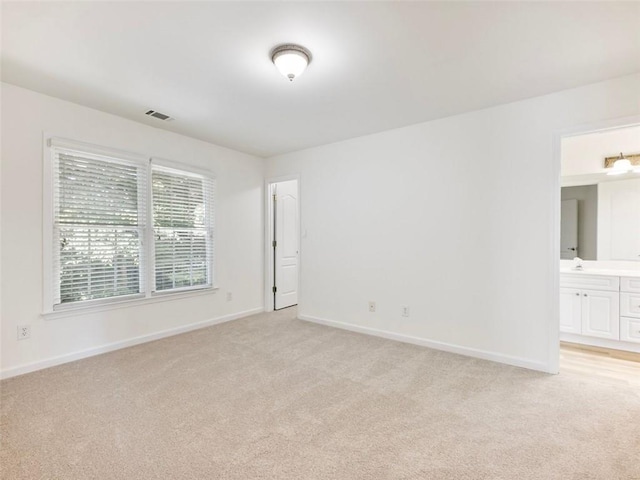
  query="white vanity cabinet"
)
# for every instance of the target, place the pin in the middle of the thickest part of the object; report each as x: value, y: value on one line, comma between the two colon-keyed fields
x: 630, y: 309
x: 590, y: 305
x: 602, y: 310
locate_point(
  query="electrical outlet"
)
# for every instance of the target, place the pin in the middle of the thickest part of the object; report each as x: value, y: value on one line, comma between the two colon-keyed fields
x: 372, y: 307
x: 405, y: 310
x: 229, y: 296
x: 24, y: 332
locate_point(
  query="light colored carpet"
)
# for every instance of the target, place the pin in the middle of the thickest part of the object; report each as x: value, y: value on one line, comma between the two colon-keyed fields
x: 272, y: 397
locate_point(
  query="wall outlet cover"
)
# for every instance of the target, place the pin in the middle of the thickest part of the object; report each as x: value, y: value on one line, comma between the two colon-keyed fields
x: 24, y: 332
x: 372, y: 306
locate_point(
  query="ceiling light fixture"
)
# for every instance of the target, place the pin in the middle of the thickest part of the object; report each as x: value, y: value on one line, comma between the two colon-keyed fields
x: 621, y: 166
x: 291, y: 60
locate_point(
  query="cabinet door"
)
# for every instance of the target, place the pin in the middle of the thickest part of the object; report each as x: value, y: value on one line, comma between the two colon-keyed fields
x: 601, y: 314
x: 570, y: 308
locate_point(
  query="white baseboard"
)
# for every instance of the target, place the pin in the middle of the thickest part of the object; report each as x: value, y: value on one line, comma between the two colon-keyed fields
x: 109, y: 347
x: 600, y: 342
x: 447, y: 347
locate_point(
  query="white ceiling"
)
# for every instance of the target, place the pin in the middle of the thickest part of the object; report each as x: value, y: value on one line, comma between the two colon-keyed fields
x: 376, y: 66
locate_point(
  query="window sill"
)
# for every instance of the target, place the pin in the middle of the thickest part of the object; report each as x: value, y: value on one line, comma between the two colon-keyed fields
x: 75, y: 310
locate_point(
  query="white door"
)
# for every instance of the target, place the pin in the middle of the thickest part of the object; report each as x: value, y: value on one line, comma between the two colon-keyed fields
x: 601, y: 314
x: 285, y: 201
x: 570, y: 310
x: 569, y: 229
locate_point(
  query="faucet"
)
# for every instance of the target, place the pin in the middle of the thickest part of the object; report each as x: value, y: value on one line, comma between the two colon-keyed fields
x: 577, y: 263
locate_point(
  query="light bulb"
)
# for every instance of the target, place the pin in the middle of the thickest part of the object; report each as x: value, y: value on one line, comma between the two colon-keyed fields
x: 620, y: 166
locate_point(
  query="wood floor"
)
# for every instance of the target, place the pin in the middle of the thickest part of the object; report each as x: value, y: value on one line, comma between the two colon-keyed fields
x: 608, y: 365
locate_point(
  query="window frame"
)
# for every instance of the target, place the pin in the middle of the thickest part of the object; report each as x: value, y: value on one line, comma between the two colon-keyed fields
x: 147, y: 253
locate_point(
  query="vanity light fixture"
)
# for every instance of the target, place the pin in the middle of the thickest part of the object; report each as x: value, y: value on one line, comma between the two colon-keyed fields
x: 621, y: 166
x: 291, y: 60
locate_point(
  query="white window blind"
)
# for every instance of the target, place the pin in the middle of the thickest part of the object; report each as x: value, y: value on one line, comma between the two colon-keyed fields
x: 182, y: 229
x: 99, y: 219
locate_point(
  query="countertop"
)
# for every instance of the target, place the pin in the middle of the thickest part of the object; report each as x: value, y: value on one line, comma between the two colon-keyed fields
x: 599, y: 271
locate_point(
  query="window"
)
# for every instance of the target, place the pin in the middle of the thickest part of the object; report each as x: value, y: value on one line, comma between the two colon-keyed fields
x: 104, y: 248
x: 181, y: 228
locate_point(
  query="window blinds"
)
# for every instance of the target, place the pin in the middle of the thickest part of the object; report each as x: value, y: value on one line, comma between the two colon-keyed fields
x: 182, y: 228
x: 99, y: 220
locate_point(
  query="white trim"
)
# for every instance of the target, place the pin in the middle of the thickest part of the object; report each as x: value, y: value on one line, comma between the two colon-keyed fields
x: 99, y: 150
x: 553, y: 316
x: 47, y: 223
x: 178, y: 167
x: 109, y: 347
x: 610, y: 124
x: 213, y: 231
x: 148, y: 239
x: 446, y: 347
x: 95, y: 302
x: 268, y: 230
x: 84, y: 308
x: 600, y: 342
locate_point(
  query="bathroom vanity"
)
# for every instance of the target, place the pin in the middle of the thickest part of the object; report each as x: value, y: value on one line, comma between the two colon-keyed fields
x: 601, y: 308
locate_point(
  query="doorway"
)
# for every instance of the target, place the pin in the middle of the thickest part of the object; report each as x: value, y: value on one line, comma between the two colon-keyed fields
x: 599, y: 240
x: 283, y: 242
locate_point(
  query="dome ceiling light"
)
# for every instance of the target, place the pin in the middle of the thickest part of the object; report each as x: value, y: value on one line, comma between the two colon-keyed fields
x: 291, y: 60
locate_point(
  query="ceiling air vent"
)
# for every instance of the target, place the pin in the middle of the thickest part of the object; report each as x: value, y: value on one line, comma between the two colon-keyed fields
x: 158, y: 115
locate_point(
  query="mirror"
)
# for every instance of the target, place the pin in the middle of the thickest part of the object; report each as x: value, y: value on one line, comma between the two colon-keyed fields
x: 578, y: 221
x: 600, y: 213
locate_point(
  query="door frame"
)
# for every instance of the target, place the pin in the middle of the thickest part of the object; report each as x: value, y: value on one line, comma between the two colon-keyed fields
x: 554, y: 264
x: 268, y: 234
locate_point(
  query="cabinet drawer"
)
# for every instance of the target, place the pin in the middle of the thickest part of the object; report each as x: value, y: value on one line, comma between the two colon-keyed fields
x: 630, y: 304
x: 630, y: 329
x: 592, y: 282
x: 629, y: 284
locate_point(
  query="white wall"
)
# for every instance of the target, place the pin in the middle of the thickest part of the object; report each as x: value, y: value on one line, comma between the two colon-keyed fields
x: 454, y: 218
x: 239, y: 222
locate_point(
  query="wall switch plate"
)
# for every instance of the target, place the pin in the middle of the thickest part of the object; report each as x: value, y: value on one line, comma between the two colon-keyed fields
x: 229, y: 296
x: 405, y: 310
x: 372, y: 307
x: 24, y: 332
